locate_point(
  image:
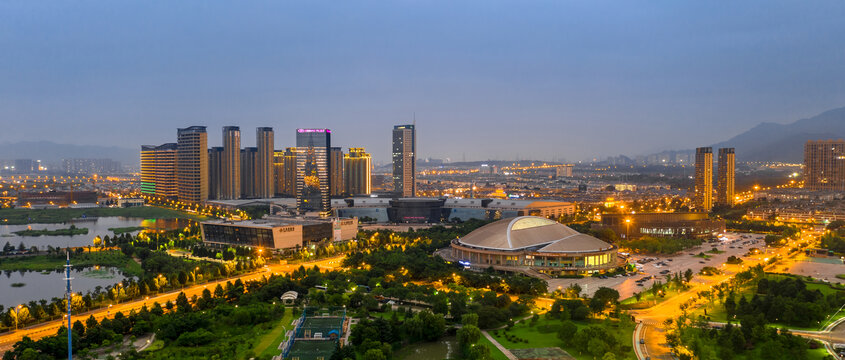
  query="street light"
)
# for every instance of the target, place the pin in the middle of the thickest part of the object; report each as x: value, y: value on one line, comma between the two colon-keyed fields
x: 627, y: 227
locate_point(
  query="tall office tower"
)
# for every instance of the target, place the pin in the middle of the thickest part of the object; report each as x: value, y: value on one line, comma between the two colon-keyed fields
x: 312, y: 170
x: 215, y: 173
x: 703, y: 200
x: 158, y: 170
x: 404, y: 160
x: 357, y: 167
x: 289, y: 188
x: 230, y: 163
x: 249, y: 164
x: 336, y: 171
x: 192, y: 164
x: 824, y: 165
x: 278, y: 172
x: 725, y: 186
x: 264, y: 163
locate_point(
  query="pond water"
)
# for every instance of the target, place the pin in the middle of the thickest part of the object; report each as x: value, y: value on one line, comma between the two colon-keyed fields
x: 47, y: 285
x: 96, y: 227
x: 445, y: 348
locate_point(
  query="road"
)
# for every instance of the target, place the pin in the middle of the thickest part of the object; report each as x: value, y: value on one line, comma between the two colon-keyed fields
x: 38, y: 331
x: 650, y: 330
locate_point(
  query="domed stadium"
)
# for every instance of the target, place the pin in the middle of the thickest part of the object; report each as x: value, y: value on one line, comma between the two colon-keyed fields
x: 535, y: 243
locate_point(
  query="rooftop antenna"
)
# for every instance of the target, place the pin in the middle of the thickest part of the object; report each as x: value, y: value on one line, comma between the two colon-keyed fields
x: 69, y: 297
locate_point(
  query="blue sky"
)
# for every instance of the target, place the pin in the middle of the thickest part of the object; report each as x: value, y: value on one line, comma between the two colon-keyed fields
x: 486, y: 79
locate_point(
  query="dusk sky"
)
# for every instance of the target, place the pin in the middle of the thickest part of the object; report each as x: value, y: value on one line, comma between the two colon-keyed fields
x: 547, y: 80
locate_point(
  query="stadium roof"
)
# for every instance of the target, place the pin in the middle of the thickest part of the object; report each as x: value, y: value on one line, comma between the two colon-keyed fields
x: 532, y: 231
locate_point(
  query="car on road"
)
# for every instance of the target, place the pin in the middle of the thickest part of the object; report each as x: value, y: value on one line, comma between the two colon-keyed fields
x: 642, y: 341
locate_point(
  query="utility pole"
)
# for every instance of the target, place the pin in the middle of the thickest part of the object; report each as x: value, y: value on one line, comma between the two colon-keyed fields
x: 69, y: 297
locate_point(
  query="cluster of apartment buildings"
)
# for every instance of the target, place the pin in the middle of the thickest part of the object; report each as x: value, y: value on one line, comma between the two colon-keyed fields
x: 703, y: 197
x: 312, y: 172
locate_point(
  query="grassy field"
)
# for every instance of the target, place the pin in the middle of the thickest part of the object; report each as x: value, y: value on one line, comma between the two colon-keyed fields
x: 123, y: 230
x: 544, y: 334
x: 71, y: 231
x: 113, y: 258
x: 647, y: 299
x: 268, y: 343
x: 21, y: 216
x: 495, y: 354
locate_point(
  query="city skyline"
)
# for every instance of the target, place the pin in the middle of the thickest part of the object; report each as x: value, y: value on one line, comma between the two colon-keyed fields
x: 667, y: 69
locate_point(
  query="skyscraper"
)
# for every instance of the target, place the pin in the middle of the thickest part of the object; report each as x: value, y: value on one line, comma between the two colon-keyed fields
x: 278, y: 172
x: 357, y: 167
x: 249, y: 165
x: 158, y: 170
x: 313, y: 183
x: 192, y: 164
x: 404, y: 160
x: 336, y: 171
x: 215, y: 173
x: 725, y: 186
x: 824, y: 165
x: 703, y: 200
x: 264, y: 162
x: 230, y: 170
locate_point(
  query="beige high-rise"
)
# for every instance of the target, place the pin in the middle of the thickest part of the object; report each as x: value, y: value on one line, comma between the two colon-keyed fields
x: 703, y: 199
x: 357, y: 172
x: 158, y: 170
x: 727, y: 175
x: 192, y: 164
x: 824, y: 165
x: 264, y: 186
x: 336, y: 171
x: 230, y: 163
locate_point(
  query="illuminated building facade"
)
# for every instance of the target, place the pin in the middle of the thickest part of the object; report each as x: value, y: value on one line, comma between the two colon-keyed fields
x: 678, y: 225
x: 703, y: 199
x: 313, y: 183
x: 534, y: 243
x: 215, y: 173
x: 824, y: 165
x: 404, y: 160
x: 357, y: 168
x: 727, y: 175
x: 263, y: 175
x: 158, y: 170
x: 230, y: 170
x: 249, y: 163
x: 192, y: 164
x: 336, y: 171
x: 277, y: 233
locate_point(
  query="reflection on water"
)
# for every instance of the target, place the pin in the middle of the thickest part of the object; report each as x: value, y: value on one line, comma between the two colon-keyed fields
x: 49, y: 284
x: 100, y: 227
x: 445, y: 348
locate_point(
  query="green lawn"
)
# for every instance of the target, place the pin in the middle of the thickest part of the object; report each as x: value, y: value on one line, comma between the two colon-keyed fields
x: 113, y: 258
x: 494, y: 351
x: 268, y: 344
x: 22, y: 216
x: 647, y: 299
x: 544, y: 334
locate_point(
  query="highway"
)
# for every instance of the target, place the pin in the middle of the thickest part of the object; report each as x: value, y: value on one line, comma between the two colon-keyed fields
x: 37, y: 331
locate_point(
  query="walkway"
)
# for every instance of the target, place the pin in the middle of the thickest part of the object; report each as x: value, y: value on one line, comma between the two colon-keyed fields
x: 501, y: 348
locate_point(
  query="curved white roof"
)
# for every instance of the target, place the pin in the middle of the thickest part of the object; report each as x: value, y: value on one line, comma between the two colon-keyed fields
x: 532, y: 231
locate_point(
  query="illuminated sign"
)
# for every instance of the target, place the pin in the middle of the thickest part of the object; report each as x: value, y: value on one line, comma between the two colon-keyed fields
x: 286, y: 229
x: 313, y: 131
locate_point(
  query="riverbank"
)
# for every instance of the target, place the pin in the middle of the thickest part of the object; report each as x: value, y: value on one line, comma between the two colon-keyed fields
x: 23, y: 216
x: 71, y: 231
x: 111, y: 258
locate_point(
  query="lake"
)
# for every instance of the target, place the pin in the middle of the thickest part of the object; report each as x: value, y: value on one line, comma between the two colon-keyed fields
x: 49, y: 285
x: 445, y: 348
x: 95, y: 227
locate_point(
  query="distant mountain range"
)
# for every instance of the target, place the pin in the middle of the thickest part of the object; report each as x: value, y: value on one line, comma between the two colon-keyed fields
x: 48, y: 152
x: 785, y: 142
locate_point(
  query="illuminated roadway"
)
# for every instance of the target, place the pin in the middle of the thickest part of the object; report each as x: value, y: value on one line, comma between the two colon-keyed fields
x: 38, y: 331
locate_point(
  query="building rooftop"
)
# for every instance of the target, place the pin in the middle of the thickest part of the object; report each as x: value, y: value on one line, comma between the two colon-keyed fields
x: 532, y: 231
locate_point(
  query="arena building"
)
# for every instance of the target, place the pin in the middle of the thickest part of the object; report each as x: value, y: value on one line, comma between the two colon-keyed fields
x: 536, y: 243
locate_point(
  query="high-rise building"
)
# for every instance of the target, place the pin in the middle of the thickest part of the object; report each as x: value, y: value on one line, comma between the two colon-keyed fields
x: 230, y: 171
x: 278, y: 172
x: 336, y: 171
x: 313, y: 183
x: 725, y: 186
x: 703, y: 199
x: 264, y: 163
x: 357, y: 168
x: 192, y: 164
x: 289, y: 188
x: 215, y: 173
x: 158, y: 170
x: 404, y: 160
x: 824, y: 165
x: 249, y: 165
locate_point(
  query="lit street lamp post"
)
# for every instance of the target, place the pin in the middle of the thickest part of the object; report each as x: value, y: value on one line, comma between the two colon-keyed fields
x: 627, y: 228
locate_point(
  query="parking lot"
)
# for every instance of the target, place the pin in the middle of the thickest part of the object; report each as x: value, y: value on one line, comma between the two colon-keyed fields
x: 733, y: 244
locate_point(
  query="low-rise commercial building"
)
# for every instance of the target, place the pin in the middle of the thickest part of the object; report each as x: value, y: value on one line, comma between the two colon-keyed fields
x: 278, y: 233
x: 434, y: 210
x: 688, y: 225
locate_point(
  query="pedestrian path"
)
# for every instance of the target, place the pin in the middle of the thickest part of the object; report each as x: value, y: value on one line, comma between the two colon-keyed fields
x: 501, y: 348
